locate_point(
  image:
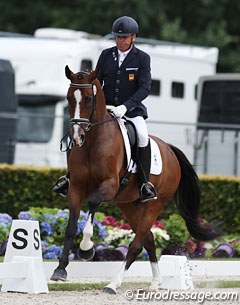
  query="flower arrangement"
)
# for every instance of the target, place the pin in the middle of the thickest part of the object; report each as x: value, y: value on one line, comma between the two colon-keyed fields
x: 112, y: 237
x: 53, y: 223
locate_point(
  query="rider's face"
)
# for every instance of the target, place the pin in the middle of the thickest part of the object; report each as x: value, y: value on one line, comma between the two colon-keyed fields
x: 124, y: 42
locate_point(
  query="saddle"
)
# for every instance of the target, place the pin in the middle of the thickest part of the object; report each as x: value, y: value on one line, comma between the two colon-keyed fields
x: 133, y: 139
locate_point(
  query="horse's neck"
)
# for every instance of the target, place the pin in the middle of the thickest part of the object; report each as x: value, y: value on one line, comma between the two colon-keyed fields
x: 101, y: 112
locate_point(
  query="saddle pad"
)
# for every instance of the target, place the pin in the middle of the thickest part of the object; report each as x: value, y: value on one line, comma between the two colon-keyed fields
x: 156, y: 159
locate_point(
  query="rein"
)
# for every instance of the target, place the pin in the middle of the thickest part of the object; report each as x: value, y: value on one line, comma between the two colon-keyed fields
x: 89, y: 123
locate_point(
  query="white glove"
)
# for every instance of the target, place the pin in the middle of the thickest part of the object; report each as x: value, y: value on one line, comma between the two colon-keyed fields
x: 119, y: 111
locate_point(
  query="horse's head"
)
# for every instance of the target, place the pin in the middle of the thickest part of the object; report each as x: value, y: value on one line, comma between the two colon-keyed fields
x: 82, y: 101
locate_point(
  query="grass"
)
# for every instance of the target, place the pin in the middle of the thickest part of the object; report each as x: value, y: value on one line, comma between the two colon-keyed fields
x: 132, y: 285
x: 76, y: 286
x: 217, y: 284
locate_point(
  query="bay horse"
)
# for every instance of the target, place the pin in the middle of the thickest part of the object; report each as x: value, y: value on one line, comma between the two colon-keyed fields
x: 97, y: 162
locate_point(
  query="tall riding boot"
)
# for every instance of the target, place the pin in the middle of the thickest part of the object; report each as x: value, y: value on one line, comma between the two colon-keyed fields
x: 62, y: 184
x: 147, y: 190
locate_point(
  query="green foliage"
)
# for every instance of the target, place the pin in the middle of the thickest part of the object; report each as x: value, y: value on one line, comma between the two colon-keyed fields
x: 176, y: 228
x: 25, y: 187
x: 220, y: 201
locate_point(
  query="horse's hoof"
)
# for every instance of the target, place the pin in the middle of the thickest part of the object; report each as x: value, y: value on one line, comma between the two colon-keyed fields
x: 86, y: 255
x: 59, y: 275
x: 109, y: 290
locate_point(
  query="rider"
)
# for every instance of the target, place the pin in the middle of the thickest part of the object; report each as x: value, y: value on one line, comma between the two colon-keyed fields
x: 124, y: 72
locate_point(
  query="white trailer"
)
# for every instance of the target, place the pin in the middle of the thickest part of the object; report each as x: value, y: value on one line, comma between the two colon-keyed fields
x: 41, y: 87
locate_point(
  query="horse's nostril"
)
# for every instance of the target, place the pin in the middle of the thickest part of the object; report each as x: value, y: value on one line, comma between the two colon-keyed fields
x: 82, y: 139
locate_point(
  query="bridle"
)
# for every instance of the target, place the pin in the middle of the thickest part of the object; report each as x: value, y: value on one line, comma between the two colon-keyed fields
x: 86, y: 123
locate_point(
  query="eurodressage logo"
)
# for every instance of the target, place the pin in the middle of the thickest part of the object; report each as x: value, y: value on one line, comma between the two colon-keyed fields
x: 199, y: 296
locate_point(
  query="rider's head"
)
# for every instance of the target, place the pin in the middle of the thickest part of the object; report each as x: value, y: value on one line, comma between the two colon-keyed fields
x: 124, y: 30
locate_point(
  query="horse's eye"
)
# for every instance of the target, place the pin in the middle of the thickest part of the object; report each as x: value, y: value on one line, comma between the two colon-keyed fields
x: 88, y: 99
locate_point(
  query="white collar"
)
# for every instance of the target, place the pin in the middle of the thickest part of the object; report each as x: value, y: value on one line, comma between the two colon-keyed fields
x: 120, y: 53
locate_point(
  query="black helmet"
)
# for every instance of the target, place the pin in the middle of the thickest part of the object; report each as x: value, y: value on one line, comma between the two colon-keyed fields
x: 124, y: 26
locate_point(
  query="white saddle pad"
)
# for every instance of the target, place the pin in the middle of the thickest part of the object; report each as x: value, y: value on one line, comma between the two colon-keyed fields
x: 156, y: 159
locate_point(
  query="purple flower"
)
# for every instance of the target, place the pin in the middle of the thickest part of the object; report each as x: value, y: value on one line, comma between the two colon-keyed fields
x: 46, y: 228
x: 53, y: 252
x: 44, y: 245
x: 80, y: 226
x: 62, y: 214
x: 5, y: 220
x: 25, y: 215
x: 144, y: 254
x: 102, y: 230
x: 50, y: 218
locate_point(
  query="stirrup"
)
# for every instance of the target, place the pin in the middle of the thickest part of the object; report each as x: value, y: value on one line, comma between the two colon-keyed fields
x: 61, y: 186
x: 152, y: 195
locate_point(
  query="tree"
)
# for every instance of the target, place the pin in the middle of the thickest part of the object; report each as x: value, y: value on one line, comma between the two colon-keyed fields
x: 201, y: 22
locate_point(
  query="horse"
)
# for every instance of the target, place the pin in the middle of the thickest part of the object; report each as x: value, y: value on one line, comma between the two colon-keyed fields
x: 97, y: 163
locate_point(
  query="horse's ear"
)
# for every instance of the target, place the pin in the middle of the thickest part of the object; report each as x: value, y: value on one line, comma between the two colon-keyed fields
x: 94, y: 74
x: 68, y: 72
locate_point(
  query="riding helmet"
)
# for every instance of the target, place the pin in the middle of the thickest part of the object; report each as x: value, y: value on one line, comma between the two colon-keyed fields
x: 124, y: 26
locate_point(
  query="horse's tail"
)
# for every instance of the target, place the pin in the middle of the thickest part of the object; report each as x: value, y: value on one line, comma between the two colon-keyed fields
x: 188, y: 200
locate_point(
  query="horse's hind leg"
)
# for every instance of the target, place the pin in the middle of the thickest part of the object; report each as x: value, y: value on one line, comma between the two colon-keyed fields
x: 149, y: 245
x: 141, y: 223
x: 133, y: 214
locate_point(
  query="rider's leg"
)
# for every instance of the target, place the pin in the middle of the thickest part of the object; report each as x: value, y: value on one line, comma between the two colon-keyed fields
x: 147, y: 190
x: 61, y: 186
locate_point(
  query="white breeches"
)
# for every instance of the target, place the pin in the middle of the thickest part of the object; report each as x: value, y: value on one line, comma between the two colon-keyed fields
x: 141, y: 128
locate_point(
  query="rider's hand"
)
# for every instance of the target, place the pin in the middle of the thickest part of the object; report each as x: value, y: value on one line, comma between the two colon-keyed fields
x: 119, y: 111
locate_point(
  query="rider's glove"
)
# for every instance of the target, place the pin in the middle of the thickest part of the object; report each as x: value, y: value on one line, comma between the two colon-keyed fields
x: 119, y: 111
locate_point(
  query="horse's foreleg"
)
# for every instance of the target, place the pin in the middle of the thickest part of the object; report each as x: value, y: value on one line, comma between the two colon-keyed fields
x: 86, y: 250
x: 105, y: 192
x: 60, y: 273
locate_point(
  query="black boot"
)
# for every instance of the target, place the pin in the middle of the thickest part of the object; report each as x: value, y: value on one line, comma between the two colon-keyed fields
x: 61, y: 186
x: 147, y: 190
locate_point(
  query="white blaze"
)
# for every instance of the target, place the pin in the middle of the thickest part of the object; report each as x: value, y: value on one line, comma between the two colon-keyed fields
x: 77, y: 95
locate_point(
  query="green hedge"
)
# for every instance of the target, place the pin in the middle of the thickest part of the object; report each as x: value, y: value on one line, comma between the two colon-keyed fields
x: 24, y: 187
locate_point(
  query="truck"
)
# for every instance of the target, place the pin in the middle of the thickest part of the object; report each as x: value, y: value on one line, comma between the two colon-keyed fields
x: 41, y: 86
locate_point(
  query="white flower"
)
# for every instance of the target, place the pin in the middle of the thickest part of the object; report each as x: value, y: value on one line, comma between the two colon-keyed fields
x: 160, y: 236
x: 117, y: 237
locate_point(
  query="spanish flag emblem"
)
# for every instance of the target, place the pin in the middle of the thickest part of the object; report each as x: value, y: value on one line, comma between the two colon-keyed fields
x: 131, y: 77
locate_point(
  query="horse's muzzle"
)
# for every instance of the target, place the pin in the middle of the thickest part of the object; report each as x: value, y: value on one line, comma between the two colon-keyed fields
x: 79, y: 136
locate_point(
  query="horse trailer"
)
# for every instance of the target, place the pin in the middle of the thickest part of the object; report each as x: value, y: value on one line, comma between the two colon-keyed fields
x: 8, y: 104
x: 41, y: 86
x: 217, y: 148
